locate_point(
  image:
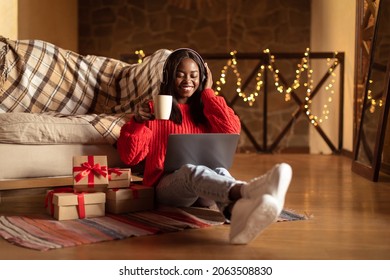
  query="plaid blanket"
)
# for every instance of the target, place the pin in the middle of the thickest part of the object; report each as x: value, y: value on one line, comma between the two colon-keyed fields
x: 39, y: 77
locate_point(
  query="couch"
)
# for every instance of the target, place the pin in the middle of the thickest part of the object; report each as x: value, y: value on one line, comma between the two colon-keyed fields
x: 55, y: 104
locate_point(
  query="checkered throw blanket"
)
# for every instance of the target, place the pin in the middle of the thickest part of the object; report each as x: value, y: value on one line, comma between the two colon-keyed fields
x: 39, y: 77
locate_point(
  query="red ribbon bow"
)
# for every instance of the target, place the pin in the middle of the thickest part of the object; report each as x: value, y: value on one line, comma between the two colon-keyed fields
x: 89, y: 169
x: 117, y: 171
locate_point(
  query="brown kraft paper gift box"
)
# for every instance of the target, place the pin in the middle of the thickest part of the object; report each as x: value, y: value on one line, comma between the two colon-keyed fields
x: 119, y: 178
x: 49, y: 198
x: 71, y: 206
x: 132, y: 199
x: 90, y: 173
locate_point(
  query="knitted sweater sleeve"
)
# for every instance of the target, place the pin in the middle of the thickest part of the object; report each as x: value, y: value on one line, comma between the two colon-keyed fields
x: 221, y: 117
x: 133, y: 142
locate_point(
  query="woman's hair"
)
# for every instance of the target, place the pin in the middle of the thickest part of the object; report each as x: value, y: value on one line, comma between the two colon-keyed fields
x: 168, y: 85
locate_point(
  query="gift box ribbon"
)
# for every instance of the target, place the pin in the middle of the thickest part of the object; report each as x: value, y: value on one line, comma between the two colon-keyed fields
x: 50, y: 194
x: 81, y: 205
x: 117, y: 171
x: 90, y: 169
x: 80, y: 200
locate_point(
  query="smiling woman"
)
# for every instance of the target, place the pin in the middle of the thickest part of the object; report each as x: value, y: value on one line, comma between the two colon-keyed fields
x: 187, y: 80
x: 198, y: 78
x: 251, y: 206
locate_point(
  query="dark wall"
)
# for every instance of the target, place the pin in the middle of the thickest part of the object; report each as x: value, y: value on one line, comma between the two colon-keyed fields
x: 114, y: 27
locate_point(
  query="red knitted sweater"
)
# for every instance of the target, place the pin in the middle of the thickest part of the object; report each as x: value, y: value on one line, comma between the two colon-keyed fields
x: 138, y: 141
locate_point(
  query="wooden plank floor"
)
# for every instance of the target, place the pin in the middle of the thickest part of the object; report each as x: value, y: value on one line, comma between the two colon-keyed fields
x: 350, y: 220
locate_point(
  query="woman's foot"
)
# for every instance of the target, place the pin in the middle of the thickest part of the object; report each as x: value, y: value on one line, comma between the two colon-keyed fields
x: 261, y: 203
x: 275, y: 183
x: 251, y: 216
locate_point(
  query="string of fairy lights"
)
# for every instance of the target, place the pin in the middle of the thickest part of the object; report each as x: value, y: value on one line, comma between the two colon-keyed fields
x: 232, y: 64
x: 141, y: 55
x: 373, y: 102
x: 303, y: 78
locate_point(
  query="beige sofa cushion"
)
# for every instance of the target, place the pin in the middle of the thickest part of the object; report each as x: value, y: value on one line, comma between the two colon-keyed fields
x: 28, y: 128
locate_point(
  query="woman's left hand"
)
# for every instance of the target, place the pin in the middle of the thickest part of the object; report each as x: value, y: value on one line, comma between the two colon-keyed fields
x: 209, y: 80
x: 142, y: 112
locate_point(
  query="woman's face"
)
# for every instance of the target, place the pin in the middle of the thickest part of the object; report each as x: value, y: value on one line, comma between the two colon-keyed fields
x: 186, y: 80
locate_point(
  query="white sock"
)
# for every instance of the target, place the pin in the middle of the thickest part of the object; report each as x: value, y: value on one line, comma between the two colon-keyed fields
x: 275, y: 182
x: 251, y: 217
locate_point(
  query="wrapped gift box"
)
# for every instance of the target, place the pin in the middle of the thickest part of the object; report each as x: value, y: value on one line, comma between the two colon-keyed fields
x: 71, y: 206
x: 132, y: 199
x: 49, y: 198
x: 119, y: 178
x: 90, y: 173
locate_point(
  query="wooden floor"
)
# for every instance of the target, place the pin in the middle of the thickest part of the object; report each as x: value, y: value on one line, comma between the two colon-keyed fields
x: 350, y: 220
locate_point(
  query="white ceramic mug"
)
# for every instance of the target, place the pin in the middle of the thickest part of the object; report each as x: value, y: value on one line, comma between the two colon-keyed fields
x: 162, y: 106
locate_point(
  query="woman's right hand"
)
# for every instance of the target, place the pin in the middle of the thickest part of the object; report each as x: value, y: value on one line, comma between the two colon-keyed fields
x: 143, y: 112
x: 209, y: 82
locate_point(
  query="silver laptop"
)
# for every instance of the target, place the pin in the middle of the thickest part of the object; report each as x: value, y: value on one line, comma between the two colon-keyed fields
x: 210, y: 149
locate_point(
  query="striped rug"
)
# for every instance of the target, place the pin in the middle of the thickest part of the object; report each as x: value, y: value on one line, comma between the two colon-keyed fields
x: 41, y: 232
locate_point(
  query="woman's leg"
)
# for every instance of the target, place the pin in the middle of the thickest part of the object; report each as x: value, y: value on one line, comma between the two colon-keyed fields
x: 203, y: 202
x: 184, y: 186
x: 257, y: 204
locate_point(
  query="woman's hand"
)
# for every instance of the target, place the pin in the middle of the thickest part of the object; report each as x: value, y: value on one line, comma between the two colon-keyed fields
x: 209, y: 81
x: 143, y: 112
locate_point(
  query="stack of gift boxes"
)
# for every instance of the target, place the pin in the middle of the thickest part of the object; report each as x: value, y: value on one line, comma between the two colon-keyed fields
x: 98, y: 189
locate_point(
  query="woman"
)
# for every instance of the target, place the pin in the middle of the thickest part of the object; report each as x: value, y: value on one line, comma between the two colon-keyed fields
x: 251, y: 206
